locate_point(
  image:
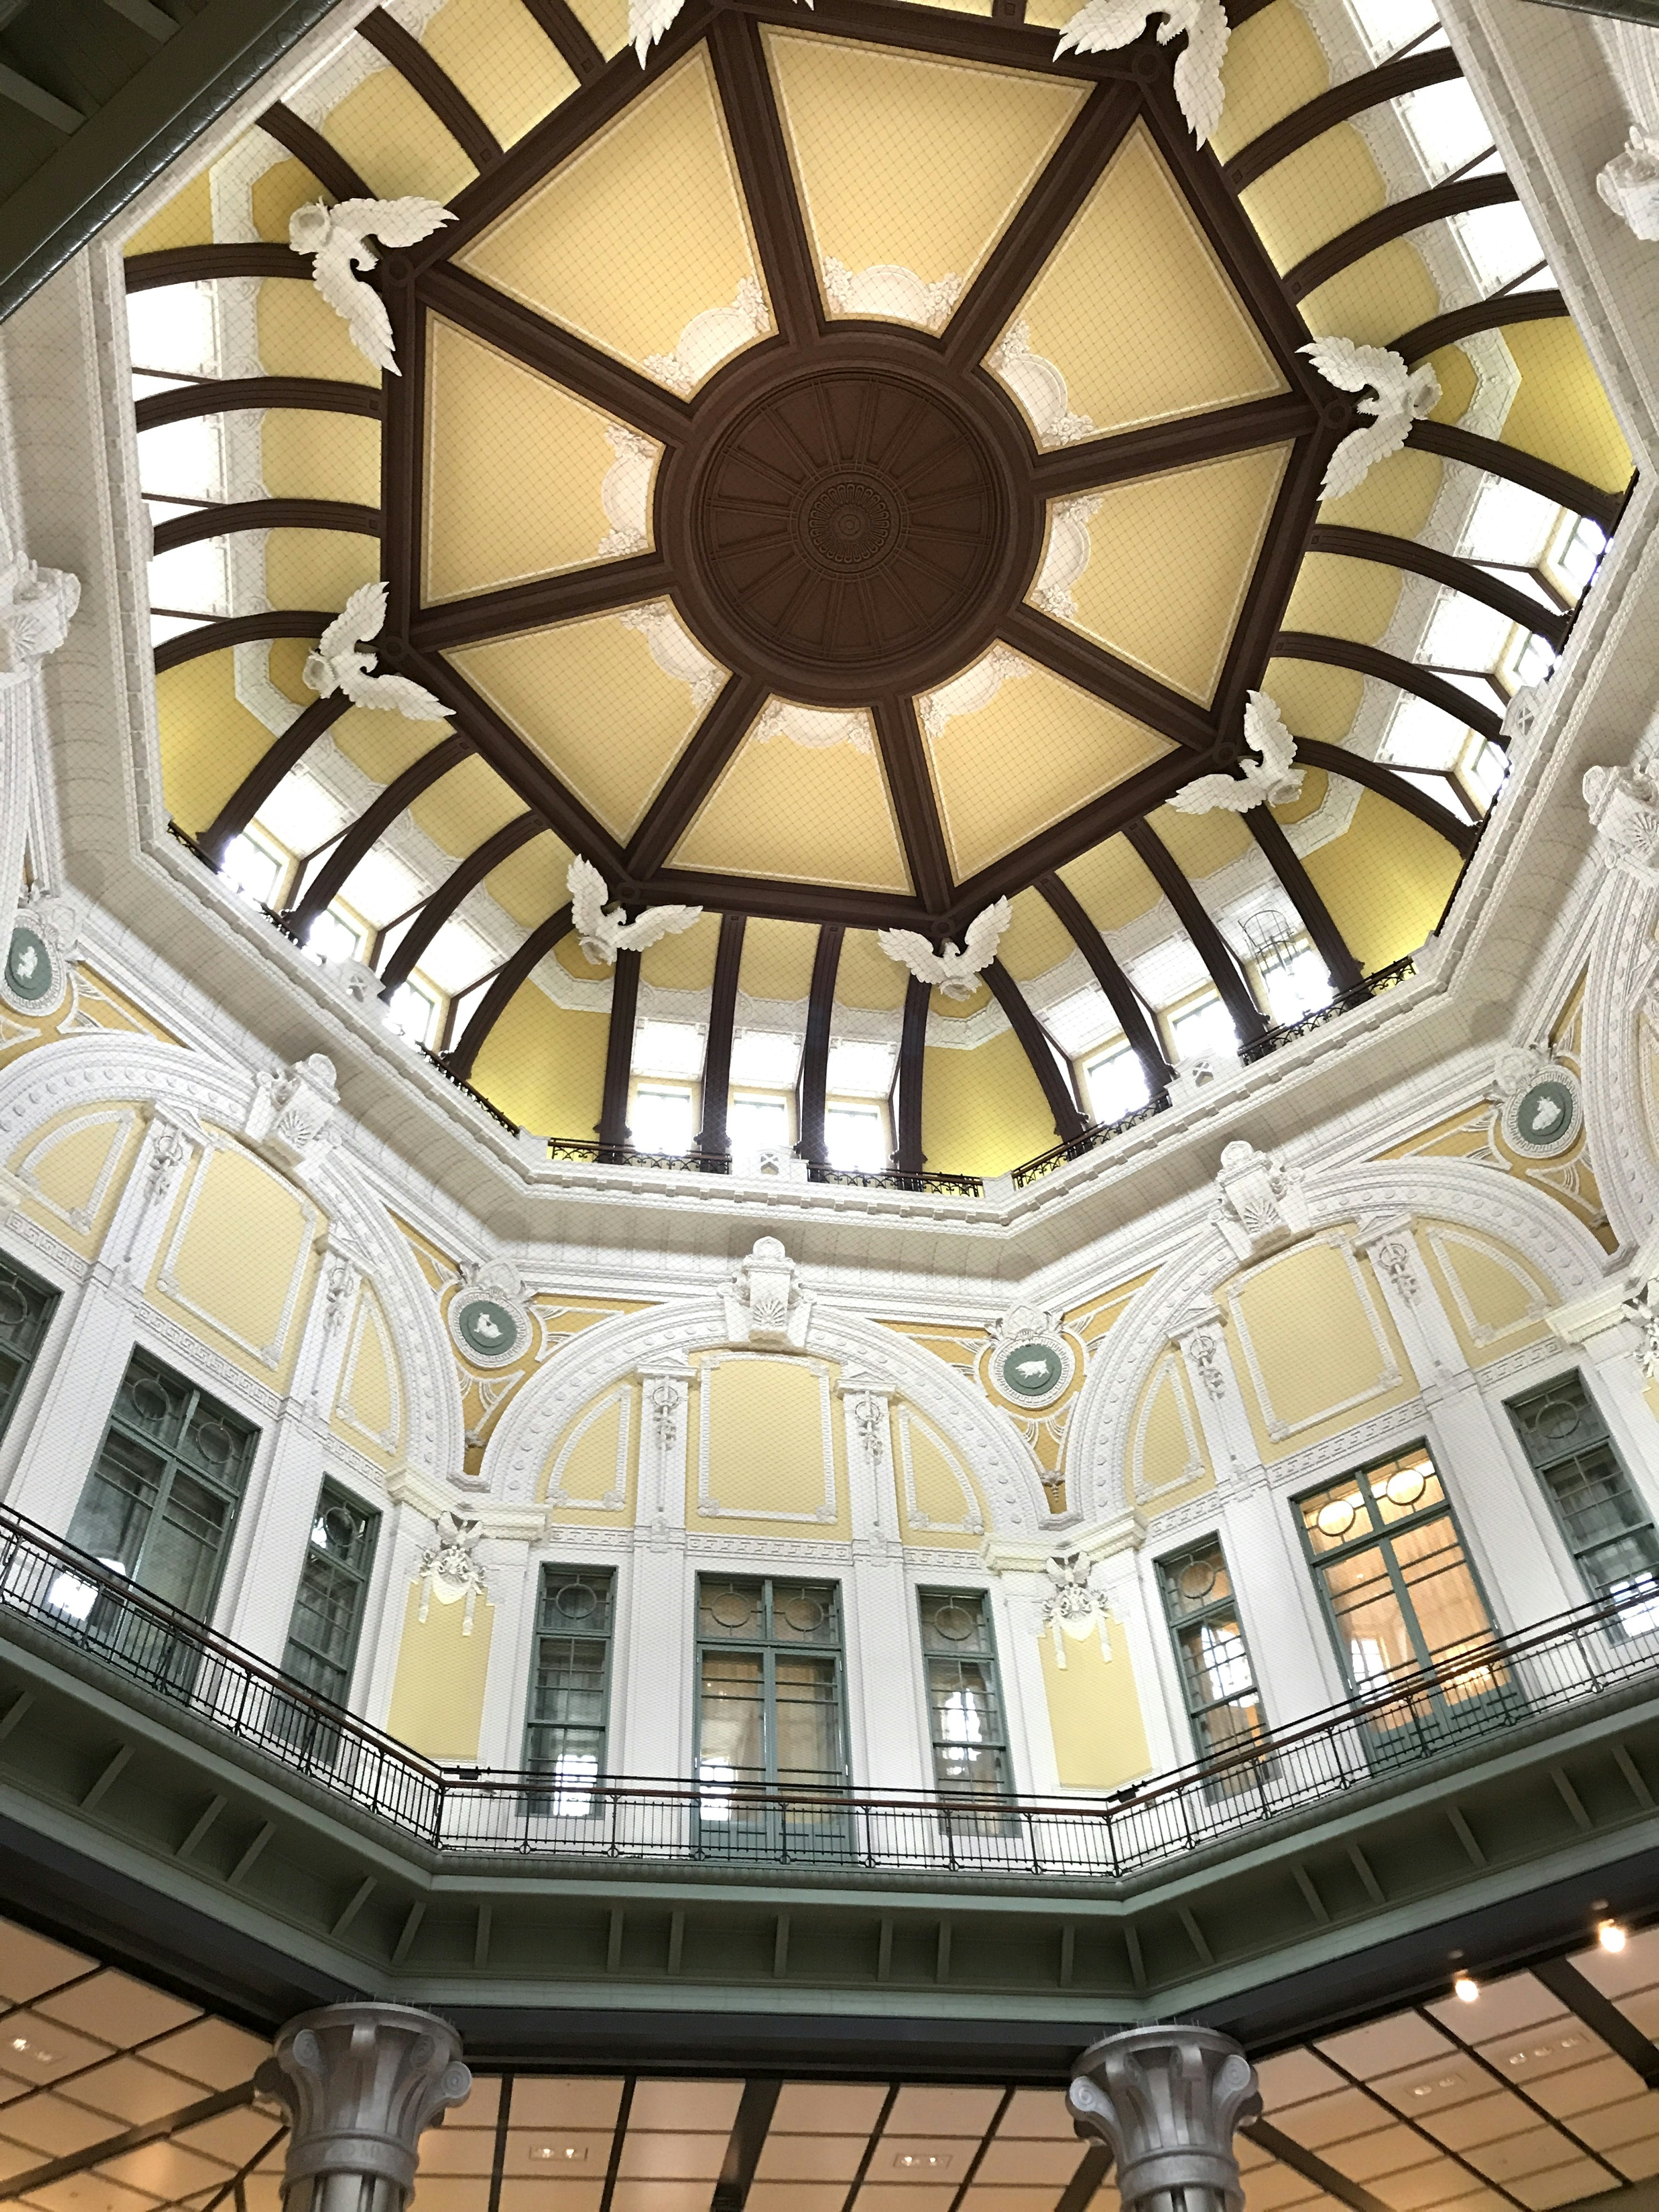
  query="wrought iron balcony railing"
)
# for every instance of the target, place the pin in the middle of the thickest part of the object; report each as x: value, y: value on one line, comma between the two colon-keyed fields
x: 1486, y: 1689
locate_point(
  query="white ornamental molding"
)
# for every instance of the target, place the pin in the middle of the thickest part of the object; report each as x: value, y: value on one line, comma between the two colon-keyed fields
x: 1073, y: 1607
x: 36, y: 975
x: 1618, y: 1110
x: 489, y: 1314
x: 448, y: 1570
x: 36, y: 606
x: 1543, y: 1105
x: 1263, y: 1207
x: 1624, y: 812
x: 1629, y: 184
x: 288, y: 1116
x: 764, y: 1302
x: 1031, y: 1362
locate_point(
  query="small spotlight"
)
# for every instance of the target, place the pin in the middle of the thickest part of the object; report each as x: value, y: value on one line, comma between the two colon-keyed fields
x: 1465, y: 1987
x: 1610, y: 1935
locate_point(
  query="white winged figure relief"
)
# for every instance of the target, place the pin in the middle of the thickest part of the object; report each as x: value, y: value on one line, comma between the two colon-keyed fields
x: 648, y: 19
x: 1102, y: 26
x: 604, y: 932
x: 1270, y: 781
x: 955, y: 974
x: 337, y: 665
x: 1404, y: 396
x: 337, y: 239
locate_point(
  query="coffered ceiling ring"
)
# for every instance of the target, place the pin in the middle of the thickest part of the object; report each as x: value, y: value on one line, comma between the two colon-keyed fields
x: 851, y: 517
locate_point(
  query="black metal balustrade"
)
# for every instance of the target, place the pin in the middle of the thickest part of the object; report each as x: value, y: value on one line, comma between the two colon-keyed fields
x: 1357, y: 995
x: 1099, y: 1133
x: 1488, y: 1688
x: 945, y: 1186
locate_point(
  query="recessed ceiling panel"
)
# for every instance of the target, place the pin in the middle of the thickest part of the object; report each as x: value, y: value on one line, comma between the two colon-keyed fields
x: 908, y: 168
x: 596, y: 701
x: 640, y: 242
x: 803, y: 796
x: 1013, y: 748
x: 1157, y: 569
x: 522, y: 479
x: 1132, y: 318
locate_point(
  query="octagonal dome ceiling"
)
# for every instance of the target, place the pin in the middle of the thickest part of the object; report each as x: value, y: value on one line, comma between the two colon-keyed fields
x: 848, y: 470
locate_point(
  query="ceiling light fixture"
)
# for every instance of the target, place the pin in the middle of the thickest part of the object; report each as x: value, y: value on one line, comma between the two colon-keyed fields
x: 559, y: 2150
x: 1464, y: 1986
x: 1610, y: 1935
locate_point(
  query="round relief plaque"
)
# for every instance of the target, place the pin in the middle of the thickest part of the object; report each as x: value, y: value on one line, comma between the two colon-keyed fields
x: 1545, y: 1118
x: 487, y: 1330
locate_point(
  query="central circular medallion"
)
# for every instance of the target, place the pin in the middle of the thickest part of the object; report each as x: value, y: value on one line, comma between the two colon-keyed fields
x: 852, y: 528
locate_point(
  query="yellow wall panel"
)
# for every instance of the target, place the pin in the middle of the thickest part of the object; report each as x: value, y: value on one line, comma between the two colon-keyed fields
x: 1315, y: 194
x: 438, y: 1693
x: 983, y: 1112
x: 1112, y: 885
x: 284, y: 188
x: 185, y: 219
x: 395, y: 143
x: 684, y: 962
x: 544, y: 1066
x: 1386, y: 880
x: 75, y: 1167
x: 939, y: 1502
x: 1343, y: 597
x: 1169, y: 1460
x: 238, y: 1258
x: 1274, y: 65
x: 301, y: 335
x: 318, y: 568
x: 777, y: 959
x: 1035, y: 941
x: 1094, y: 1712
x: 531, y: 884
x: 1561, y: 413
x: 866, y: 976
x: 769, y: 1448
x: 1314, y: 1346
x: 786, y: 811
x: 596, y: 1461
x: 209, y: 740
x: 307, y: 454
x: 1376, y: 299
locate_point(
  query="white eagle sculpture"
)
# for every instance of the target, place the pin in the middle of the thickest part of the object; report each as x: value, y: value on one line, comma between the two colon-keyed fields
x: 338, y: 664
x: 1269, y: 782
x: 953, y: 973
x: 336, y: 237
x: 1102, y: 26
x: 605, y: 931
x: 1404, y: 396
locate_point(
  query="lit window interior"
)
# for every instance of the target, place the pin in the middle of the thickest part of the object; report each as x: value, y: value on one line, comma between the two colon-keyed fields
x: 413, y: 1013
x: 766, y: 1058
x: 1080, y: 1019
x: 860, y: 1071
x: 1114, y: 1082
x: 331, y: 937
x: 667, y: 1049
x: 1203, y: 1025
x: 662, y: 1118
x: 255, y: 867
x: 757, y: 1124
x: 855, y: 1135
x: 1447, y: 125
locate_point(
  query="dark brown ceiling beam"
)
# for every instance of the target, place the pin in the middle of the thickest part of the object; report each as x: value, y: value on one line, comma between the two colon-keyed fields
x: 1378, y: 776
x: 554, y: 352
x: 1443, y: 569
x: 552, y: 141
x: 503, y: 988
x: 566, y: 28
x: 1207, y: 940
x: 326, y: 162
x: 992, y: 41
x: 266, y: 514
x: 1232, y: 237
x: 1061, y: 1100
x: 781, y: 899
x: 268, y: 771
x: 521, y: 770
x: 1040, y: 222
x: 1388, y: 668
x: 402, y: 454
x: 1459, y: 197
x: 713, y: 1137
x: 619, y: 1050
x: 694, y: 774
x: 1494, y: 315
x: 1273, y: 580
x: 1327, y: 940
x: 463, y: 877
x: 1410, y: 73
x: 1138, y: 1032
x: 908, y: 1155
x: 205, y: 264
x: 321, y: 395
x: 371, y: 826
x: 563, y: 598
x: 1067, y: 654
x: 241, y: 630
x: 431, y: 85
x: 815, y: 1050
x: 1155, y: 447
x: 788, y: 272
x: 1542, y: 477
x: 911, y: 789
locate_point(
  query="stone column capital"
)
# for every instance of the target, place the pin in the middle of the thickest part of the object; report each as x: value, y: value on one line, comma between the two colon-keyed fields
x: 1166, y: 2101
x: 361, y: 2083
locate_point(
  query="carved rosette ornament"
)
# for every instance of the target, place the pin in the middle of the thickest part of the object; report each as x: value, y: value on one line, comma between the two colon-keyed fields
x: 1261, y: 1206
x: 361, y: 2083
x: 1624, y: 812
x: 1166, y: 2101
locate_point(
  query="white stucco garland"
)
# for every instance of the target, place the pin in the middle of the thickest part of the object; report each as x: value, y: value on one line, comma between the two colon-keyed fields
x: 1561, y: 1247
x: 1613, y: 1050
x: 524, y: 1439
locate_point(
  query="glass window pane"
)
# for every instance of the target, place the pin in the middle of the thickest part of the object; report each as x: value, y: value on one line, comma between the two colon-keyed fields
x: 965, y: 1706
x: 567, y: 1711
x: 26, y: 1310
x: 809, y: 1718
x: 661, y: 1118
x: 855, y: 1138
x: 1115, y: 1083
x: 731, y: 1744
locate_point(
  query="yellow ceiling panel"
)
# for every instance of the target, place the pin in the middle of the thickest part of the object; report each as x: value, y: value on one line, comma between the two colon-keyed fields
x: 606, y: 22
x: 530, y: 884
x: 1376, y: 299
x: 866, y: 976
x: 1134, y: 310
x: 503, y: 60
x: 684, y: 962
x: 301, y: 335
x: 185, y: 220
x: 305, y: 454
x: 464, y: 807
x: 590, y: 699
x: 1386, y: 880
x: 637, y: 235
x: 1317, y: 701
x: 209, y: 739
x: 1398, y: 495
x: 383, y: 745
x: 777, y: 959
x: 1201, y: 843
x: 1322, y: 189
x: 1343, y: 597
x: 1036, y: 939
x: 284, y: 186
x: 783, y: 809
x: 518, y: 473
x: 1274, y: 65
x: 395, y: 143
x: 318, y: 568
x: 961, y: 147
x: 1037, y: 749
x: 1171, y: 561
x: 1561, y: 412
x: 1111, y: 884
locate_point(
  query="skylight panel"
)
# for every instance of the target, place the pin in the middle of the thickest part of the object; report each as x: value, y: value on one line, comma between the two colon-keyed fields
x: 1462, y: 633
x: 381, y: 887
x: 667, y: 1049
x: 859, y: 1070
x: 301, y: 815
x: 1421, y: 735
x: 1114, y: 1082
x: 1203, y: 1027
x: 190, y: 578
x: 1080, y: 1019
x: 180, y: 458
x: 457, y: 955
x: 1388, y: 25
x: 1446, y: 124
x: 163, y: 627
x: 1500, y: 241
x: 172, y: 327
x: 766, y: 1057
x: 1509, y: 523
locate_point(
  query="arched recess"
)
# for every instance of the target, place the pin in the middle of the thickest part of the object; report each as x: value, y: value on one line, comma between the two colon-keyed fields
x: 1619, y: 1039
x: 89, y: 1069
x: 1562, y: 1249
x: 984, y: 1436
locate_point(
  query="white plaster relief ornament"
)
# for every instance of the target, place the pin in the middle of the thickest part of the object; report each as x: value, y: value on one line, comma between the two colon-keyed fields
x: 336, y: 237
x: 1629, y: 184
x: 604, y: 931
x: 764, y: 1302
x: 1031, y: 1362
x: 890, y: 292
x: 448, y: 1571
x: 954, y: 974
x: 1543, y: 1110
x: 1404, y: 396
x: 37, y: 606
x: 1073, y: 1609
x: 648, y: 19
x: 36, y: 971
x: 488, y: 1314
x: 1102, y: 25
x: 288, y: 1118
x: 339, y: 665
x: 1262, y: 1206
x: 1269, y: 782
x: 1624, y: 812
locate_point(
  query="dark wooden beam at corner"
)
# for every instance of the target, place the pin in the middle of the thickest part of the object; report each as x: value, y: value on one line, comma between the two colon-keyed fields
x: 1498, y: 459
x: 326, y: 162
x: 1465, y: 576
x: 1492, y: 314
x: 815, y: 1053
x: 1344, y: 970
x: 761, y: 155
x: 694, y: 774
x: 433, y: 86
x: 268, y: 771
x: 1376, y: 776
x: 461, y: 1056
x: 465, y: 876
x: 1057, y: 1085
x: 372, y: 824
x: 908, y: 1155
x: 612, y: 1127
x: 1370, y: 88
x: 717, y: 1053
x: 1142, y: 1038
x: 1459, y: 197
x: 910, y: 787
x: 566, y: 28
x: 1388, y: 668
x: 1599, y: 2014
x: 1210, y: 944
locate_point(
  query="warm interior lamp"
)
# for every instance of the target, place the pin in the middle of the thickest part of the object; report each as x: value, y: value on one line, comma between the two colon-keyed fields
x: 1610, y: 1935
x: 1467, y: 1987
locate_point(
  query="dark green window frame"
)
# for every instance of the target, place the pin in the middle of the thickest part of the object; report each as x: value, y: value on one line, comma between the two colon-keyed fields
x: 27, y: 1306
x: 1212, y: 1653
x: 967, y: 1718
x: 567, y: 1713
x: 326, y: 1623
x: 161, y: 1502
x: 1600, y: 1512
x: 774, y: 1620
